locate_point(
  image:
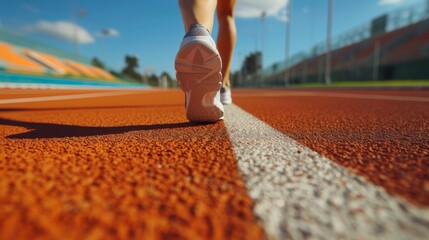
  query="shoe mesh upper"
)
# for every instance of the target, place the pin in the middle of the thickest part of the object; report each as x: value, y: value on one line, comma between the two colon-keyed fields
x: 197, y: 30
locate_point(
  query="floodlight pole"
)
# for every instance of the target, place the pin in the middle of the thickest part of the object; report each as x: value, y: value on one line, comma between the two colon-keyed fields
x: 376, y: 63
x: 287, y: 45
x: 75, y: 17
x: 76, y: 40
x: 427, y: 8
x: 328, y: 44
x: 263, y: 16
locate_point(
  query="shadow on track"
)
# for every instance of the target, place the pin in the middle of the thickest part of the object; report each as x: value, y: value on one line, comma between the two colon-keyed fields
x: 52, y: 130
x: 87, y: 108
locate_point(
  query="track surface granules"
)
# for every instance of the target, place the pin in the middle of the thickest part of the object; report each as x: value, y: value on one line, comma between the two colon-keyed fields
x: 127, y: 167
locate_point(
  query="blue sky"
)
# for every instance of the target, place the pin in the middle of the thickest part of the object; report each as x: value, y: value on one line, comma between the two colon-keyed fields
x: 152, y: 30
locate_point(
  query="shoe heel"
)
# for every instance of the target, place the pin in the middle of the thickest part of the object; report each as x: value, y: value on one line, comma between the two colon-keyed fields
x: 198, y: 71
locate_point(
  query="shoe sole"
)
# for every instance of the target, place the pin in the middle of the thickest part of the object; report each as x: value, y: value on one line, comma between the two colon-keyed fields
x: 225, y: 99
x: 226, y: 102
x: 198, y: 70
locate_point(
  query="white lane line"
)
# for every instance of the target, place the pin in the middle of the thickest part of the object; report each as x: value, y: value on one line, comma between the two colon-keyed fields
x: 299, y: 194
x: 335, y: 95
x: 63, y: 97
x: 64, y: 86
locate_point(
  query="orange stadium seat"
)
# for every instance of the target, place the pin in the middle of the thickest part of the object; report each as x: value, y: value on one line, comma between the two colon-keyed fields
x: 409, y: 50
x: 52, y: 62
x: 103, y: 74
x: 81, y: 68
x: 18, y: 63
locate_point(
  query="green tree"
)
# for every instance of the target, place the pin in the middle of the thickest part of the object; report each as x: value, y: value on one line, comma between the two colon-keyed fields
x: 131, y: 63
x: 152, y: 80
x: 97, y: 63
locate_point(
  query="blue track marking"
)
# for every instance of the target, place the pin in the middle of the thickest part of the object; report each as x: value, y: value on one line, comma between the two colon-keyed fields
x: 16, y: 79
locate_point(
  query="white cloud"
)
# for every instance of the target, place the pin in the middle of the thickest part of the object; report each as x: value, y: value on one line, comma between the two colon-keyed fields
x: 63, y: 30
x: 255, y: 8
x: 390, y: 2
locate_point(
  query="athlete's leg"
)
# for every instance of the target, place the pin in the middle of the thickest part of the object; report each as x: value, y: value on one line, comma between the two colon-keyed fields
x: 198, y: 62
x: 198, y: 11
x: 226, y: 36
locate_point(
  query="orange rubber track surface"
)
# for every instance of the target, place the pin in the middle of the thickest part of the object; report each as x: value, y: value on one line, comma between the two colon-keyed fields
x: 131, y: 166
x: 128, y: 167
x: 385, y: 141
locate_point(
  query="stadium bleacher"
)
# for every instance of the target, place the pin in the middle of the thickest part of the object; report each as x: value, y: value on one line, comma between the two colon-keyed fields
x: 25, y: 57
x: 412, y: 48
x: 12, y: 61
x: 401, y: 53
x: 51, y: 62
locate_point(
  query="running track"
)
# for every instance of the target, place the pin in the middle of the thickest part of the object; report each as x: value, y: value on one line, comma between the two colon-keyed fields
x: 299, y: 164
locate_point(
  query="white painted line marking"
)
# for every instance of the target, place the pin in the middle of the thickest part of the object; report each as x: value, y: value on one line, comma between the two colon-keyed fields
x: 64, y: 86
x: 63, y: 97
x: 299, y: 194
x: 335, y: 95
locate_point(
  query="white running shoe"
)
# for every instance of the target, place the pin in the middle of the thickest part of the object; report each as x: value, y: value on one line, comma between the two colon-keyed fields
x: 198, y: 70
x: 225, y: 95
